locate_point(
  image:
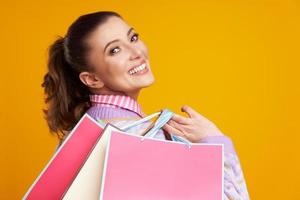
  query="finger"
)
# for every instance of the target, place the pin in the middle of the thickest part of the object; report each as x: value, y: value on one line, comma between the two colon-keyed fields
x: 172, y: 130
x: 190, y: 111
x: 180, y: 119
x: 177, y: 126
x: 193, y: 113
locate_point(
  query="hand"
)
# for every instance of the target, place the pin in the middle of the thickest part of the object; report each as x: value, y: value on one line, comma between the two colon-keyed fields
x: 194, y: 128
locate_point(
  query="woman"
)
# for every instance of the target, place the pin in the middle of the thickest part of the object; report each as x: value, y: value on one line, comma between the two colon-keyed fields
x: 99, y: 68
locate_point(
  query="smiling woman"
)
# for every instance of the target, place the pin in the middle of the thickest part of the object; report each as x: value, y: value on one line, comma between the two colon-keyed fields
x: 100, y: 55
x: 99, y: 68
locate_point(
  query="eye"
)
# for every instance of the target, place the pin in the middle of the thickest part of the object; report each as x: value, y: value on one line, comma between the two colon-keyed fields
x: 135, y: 37
x: 114, y: 50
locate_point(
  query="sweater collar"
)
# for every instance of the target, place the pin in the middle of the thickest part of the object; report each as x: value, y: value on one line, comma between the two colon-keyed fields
x: 114, y: 101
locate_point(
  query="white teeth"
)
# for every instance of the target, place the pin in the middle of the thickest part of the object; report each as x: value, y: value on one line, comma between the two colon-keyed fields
x: 137, y: 69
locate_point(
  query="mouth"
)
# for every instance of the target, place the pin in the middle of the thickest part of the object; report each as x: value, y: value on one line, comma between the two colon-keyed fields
x: 138, y: 70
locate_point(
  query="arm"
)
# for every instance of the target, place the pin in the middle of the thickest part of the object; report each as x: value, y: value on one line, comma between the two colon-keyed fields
x: 234, y: 183
x: 198, y: 129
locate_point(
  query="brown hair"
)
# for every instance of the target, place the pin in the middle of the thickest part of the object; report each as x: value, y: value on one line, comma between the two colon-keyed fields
x: 67, y: 98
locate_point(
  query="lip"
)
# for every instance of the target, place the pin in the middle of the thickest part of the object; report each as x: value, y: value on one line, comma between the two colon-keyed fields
x: 142, y: 62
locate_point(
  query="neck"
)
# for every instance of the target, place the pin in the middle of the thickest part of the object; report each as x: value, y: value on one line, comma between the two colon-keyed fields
x: 134, y: 95
x: 106, y: 91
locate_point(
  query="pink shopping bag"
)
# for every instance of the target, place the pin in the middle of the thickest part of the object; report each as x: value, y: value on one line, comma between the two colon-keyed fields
x: 145, y: 168
x: 87, y: 183
x: 63, y: 167
x: 75, y: 163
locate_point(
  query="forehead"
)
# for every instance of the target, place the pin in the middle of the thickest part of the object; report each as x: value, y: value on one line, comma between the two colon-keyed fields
x: 113, y: 28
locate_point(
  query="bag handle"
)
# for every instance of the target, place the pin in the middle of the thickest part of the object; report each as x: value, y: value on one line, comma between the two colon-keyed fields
x: 140, y: 121
x: 164, y: 117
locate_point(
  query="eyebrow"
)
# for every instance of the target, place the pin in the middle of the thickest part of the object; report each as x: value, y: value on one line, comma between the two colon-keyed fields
x: 116, y: 40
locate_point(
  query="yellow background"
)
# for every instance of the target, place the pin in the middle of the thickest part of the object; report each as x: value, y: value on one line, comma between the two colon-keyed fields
x: 235, y: 62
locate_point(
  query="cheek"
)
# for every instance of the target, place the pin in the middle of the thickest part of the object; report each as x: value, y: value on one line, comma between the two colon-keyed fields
x: 116, y: 66
x: 144, y: 49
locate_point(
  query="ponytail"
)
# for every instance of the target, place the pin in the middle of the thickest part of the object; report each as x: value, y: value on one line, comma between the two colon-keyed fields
x: 66, y: 96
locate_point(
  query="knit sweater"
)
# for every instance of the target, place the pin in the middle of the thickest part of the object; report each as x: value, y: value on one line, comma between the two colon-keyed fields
x: 121, y: 110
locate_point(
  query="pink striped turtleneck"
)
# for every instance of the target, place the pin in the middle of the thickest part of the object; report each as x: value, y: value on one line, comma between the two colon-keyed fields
x: 112, y: 106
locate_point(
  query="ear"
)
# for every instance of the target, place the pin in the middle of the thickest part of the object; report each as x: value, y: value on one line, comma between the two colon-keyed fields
x: 91, y: 80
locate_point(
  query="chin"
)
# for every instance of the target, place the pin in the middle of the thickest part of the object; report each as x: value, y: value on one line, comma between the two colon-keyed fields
x: 149, y: 81
x: 145, y: 84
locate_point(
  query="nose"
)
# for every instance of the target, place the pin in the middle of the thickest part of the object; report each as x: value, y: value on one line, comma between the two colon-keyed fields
x: 135, y: 52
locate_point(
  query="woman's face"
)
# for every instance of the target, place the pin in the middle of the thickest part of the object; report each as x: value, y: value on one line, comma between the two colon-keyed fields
x: 119, y: 58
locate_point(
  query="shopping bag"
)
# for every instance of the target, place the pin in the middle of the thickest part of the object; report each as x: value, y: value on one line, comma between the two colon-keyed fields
x: 141, y: 167
x: 87, y: 183
x: 64, y: 165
